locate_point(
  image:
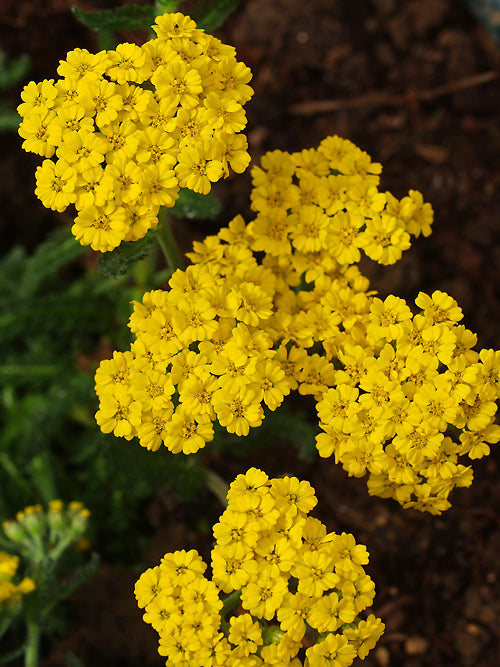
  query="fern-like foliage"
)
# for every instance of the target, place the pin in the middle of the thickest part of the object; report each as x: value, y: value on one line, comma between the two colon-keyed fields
x: 54, y: 317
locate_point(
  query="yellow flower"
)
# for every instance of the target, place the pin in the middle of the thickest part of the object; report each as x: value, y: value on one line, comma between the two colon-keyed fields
x: 365, y: 635
x: 105, y: 101
x: 263, y: 597
x: 223, y: 113
x: 38, y: 97
x: 196, y: 395
x: 159, y: 185
x: 439, y: 307
x: 174, y: 25
x: 84, y: 149
x: 323, y: 614
x: 179, y: 83
x: 338, y: 408
x: 194, y: 318
x: 233, y: 566
x: 232, y: 76
x: 315, y: 573
x: 148, y: 586
x: 333, y: 650
x: 345, y: 239
x: 293, y: 612
x: 310, y: 229
x: 417, y: 214
x: 55, y: 184
x: 101, y: 228
x: 185, y: 434
x: 126, y: 63
x: 154, y: 427
x: 119, y: 413
x: 437, y: 404
x: 245, y: 633
x: 249, y: 303
x: 69, y: 120
x: 34, y: 129
x: 386, y: 317
x: 233, y: 151
x: 239, y: 411
x: 197, y: 168
x: 81, y: 64
x: 384, y: 239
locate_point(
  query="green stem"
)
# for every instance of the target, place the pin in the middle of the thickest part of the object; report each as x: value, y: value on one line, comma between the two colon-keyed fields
x: 217, y: 485
x: 168, y: 242
x: 32, y: 643
x: 230, y: 602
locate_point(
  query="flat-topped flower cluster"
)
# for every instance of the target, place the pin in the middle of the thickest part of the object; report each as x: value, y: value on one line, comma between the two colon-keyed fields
x: 279, y: 304
x: 410, y: 400
x: 122, y: 130
x: 294, y: 593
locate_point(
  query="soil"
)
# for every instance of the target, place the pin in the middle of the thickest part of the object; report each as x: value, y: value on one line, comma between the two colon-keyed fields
x: 416, y: 84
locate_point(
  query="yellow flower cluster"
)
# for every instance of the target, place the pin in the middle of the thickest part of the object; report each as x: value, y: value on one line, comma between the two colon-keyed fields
x: 319, y: 207
x: 409, y: 400
x: 294, y: 593
x: 229, y: 336
x: 202, y: 353
x: 11, y: 592
x: 234, y: 335
x: 129, y: 127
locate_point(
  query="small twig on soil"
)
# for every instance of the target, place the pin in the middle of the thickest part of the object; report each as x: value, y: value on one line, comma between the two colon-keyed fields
x: 383, y: 99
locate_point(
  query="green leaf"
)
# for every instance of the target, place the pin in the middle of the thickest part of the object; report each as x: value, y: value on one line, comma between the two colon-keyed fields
x: 14, y: 71
x: 81, y: 576
x: 50, y: 256
x: 73, y: 660
x: 165, y: 6
x: 129, y: 17
x: 42, y: 474
x: 116, y: 263
x: 211, y: 14
x: 193, y: 205
x: 9, y: 119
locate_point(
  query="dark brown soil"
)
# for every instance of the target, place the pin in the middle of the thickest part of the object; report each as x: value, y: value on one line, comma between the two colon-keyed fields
x: 415, y: 84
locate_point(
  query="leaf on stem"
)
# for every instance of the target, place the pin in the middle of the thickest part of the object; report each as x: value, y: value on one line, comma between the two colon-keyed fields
x: 116, y: 263
x: 129, y: 17
x: 193, y: 205
x: 210, y: 14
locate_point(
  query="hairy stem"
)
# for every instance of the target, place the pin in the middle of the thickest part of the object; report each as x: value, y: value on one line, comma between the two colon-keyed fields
x: 32, y: 643
x: 217, y: 485
x: 168, y: 242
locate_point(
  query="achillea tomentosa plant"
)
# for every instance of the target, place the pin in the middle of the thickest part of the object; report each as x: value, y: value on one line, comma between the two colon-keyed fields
x: 292, y: 594
x: 267, y: 307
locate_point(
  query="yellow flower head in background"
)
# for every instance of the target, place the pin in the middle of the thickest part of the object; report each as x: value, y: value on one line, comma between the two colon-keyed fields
x: 294, y: 593
x: 11, y: 592
x: 123, y: 130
